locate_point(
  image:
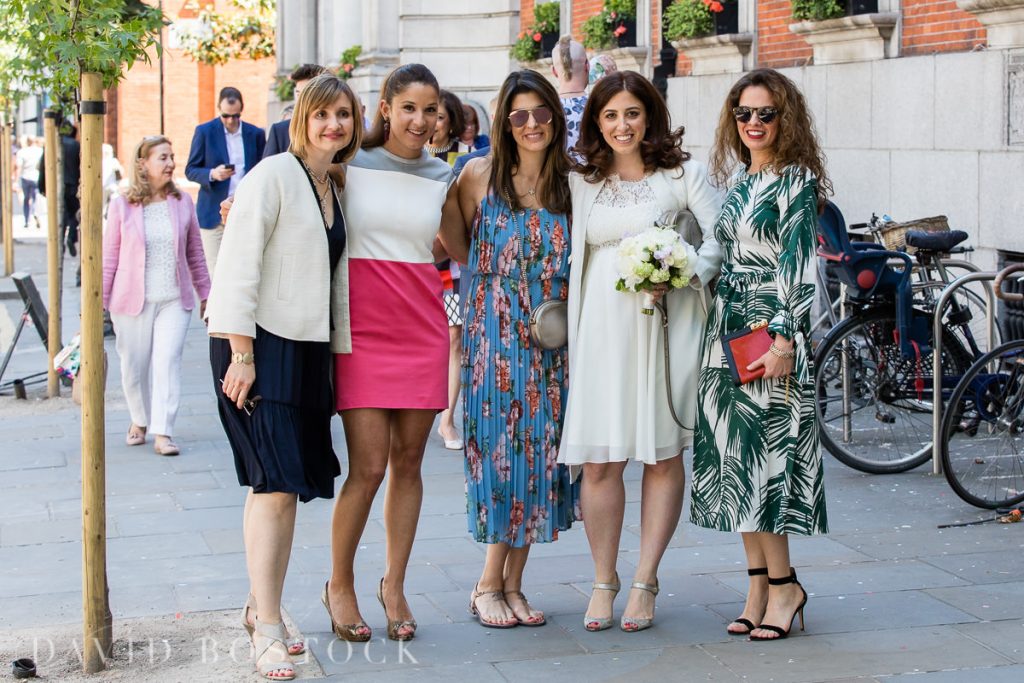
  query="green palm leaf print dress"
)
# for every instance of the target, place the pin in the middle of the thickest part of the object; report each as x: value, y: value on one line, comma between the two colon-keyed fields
x: 756, y: 462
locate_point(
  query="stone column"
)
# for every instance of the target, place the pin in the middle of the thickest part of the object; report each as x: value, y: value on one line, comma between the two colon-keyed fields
x: 296, y: 33
x: 380, y: 50
x: 340, y: 26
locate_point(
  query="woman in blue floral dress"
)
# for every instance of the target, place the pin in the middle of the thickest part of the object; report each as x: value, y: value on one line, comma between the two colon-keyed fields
x: 516, y: 201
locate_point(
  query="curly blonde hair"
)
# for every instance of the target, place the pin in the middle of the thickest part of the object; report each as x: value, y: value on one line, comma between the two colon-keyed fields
x: 796, y: 145
x: 139, y: 190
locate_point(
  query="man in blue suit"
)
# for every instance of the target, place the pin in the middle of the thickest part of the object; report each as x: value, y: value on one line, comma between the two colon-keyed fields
x: 222, y: 151
x: 278, y: 138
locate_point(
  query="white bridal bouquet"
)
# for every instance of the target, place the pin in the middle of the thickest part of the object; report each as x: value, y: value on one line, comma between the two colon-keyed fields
x: 653, y: 257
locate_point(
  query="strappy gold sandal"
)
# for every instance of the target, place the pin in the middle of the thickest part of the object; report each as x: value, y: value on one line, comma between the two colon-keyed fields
x: 634, y: 624
x: 397, y: 625
x: 351, y: 633
x: 593, y: 623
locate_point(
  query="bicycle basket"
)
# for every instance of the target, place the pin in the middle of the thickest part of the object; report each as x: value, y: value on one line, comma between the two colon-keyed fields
x: 893, y: 235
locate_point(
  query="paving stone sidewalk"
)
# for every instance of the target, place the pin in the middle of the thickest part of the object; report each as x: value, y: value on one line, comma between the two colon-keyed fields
x: 892, y: 596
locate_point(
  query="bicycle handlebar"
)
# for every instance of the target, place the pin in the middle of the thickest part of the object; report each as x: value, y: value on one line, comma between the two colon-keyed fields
x: 1002, y: 275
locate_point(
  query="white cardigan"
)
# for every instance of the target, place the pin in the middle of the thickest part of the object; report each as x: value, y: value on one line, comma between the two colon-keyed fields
x: 273, y: 267
x: 687, y: 307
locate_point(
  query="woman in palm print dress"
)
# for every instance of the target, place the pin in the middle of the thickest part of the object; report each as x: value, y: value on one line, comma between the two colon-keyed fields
x: 757, y: 465
x: 517, y: 201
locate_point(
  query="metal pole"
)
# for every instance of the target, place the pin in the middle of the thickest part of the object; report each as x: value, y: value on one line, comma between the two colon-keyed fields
x: 940, y: 306
x: 7, y: 197
x: 94, y: 518
x: 52, y: 251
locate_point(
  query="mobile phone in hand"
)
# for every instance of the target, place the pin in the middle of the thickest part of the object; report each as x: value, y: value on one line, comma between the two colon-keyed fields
x: 230, y: 167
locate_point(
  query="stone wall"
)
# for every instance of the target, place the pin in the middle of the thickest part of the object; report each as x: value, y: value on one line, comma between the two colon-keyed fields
x: 909, y: 137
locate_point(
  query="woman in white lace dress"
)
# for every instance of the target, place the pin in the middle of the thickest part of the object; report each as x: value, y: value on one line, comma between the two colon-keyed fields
x: 152, y: 262
x: 618, y: 406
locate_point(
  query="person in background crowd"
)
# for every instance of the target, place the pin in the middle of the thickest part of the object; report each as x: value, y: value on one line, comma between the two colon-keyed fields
x: 152, y: 261
x: 450, y: 125
x: 278, y: 308
x: 71, y: 167
x: 516, y: 202
x: 277, y: 134
x: 570, y: 65
x: 112, y: 174
x: 461, y: 162
x: 600, y: 66
x: 223, y: 150
x: 756, y: 462
x: 390, y: 388
x: 27, y: 169
x: 471, y: 139
x: 618, y: 408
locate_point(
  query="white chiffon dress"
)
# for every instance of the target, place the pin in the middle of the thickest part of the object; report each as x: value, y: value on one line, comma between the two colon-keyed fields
x: 617, y: 408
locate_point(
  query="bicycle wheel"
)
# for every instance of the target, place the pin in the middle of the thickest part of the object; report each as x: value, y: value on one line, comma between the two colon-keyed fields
x: 983, y: 430
x: 874, y: 405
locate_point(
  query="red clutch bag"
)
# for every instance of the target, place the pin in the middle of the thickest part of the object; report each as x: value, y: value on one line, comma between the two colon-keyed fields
x: 743, y: 347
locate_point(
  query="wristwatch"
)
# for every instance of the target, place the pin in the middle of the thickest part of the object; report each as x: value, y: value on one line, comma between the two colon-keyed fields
x: 243, y: 358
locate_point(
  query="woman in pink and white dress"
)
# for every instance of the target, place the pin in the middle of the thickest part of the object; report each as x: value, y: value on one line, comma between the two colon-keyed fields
x: 390, y: 388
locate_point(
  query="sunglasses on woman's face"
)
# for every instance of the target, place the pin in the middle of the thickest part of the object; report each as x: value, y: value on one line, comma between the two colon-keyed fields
x: 520, y: 117
x: 763, y: 114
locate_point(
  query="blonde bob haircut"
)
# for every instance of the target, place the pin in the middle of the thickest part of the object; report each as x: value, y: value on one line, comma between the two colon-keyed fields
x: 139, y: 190
x: 320, y: 93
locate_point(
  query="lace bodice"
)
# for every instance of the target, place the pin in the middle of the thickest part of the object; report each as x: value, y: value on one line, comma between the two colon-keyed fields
x: 622, y: 208
x: 161, y: 255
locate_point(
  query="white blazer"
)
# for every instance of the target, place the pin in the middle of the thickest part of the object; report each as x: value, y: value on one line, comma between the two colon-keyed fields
x: 273, y: 267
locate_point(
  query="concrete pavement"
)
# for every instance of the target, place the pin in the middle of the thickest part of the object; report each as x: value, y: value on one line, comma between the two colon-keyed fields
x: 892, y: 596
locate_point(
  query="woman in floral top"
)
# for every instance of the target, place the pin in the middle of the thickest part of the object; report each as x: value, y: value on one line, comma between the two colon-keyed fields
x: 514, y: 391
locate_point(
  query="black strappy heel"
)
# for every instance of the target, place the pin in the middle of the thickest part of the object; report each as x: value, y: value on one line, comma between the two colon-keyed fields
x: 782, y: 633
x: 759, y: 571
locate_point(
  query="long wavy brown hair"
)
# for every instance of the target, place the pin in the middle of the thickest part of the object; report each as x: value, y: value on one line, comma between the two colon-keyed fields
x: 139, y: 190
x: 661, y: 147
x: 796, y: 144
x: 553, y: 183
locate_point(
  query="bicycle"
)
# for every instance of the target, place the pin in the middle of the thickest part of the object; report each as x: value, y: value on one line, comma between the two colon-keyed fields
x: 982, y: 429
x: 873, y: 379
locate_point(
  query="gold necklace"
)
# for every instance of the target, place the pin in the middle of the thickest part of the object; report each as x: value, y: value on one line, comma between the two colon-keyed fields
x: 320, y: 179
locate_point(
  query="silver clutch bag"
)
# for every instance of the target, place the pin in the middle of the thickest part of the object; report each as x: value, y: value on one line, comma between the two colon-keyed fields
x: 549, y: 324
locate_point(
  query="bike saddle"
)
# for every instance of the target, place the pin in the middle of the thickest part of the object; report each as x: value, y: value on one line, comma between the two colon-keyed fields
x: 934, y: 241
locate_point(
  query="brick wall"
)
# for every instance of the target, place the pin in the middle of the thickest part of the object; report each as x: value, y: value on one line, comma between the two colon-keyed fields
x: 526, y: 14
x: 938, y: 26
x: 190, y: 93
x: 581, y: 10
x: 776, y: 45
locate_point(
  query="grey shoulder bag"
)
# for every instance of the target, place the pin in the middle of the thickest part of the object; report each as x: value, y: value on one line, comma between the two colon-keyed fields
x: 549, y: 321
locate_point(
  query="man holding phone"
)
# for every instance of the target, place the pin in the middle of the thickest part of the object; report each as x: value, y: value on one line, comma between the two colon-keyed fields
x: 222, y: 151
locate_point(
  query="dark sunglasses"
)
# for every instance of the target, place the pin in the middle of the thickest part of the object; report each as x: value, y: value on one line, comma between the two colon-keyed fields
x: 520, y: 117
x: 231, y: 116
x: 763, y: 114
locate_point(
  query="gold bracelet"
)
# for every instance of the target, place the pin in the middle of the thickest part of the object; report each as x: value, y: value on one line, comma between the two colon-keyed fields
x: 779, y: 353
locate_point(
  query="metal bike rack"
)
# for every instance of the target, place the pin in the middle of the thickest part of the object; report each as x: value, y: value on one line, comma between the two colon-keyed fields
x: 990, y: 312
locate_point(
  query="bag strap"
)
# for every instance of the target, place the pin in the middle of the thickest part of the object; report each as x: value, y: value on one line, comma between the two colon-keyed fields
x: 522, y: 257
x: 660, y: 305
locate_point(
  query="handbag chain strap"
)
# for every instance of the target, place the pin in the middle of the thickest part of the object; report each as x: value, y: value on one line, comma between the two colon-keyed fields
x: 660, y: 305
x: 522, y: 258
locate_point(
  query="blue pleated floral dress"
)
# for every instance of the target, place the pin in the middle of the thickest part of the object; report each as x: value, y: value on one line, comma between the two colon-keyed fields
x: 513, y: 392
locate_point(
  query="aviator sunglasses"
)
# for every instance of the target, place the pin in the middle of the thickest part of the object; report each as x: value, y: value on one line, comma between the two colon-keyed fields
x: 763, y: 114
x: 520, y: 117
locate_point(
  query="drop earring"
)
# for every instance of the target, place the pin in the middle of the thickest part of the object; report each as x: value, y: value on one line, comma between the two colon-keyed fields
x: 387, y: 129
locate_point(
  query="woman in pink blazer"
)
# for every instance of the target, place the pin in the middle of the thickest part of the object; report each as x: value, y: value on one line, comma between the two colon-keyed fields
x: 152, y: 260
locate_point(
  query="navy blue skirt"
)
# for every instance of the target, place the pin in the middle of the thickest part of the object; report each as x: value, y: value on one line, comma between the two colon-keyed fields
x: 285, y: 445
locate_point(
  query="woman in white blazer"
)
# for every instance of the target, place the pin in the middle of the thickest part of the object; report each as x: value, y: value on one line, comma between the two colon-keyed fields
x: 618, y: 408
x: 278, y: 308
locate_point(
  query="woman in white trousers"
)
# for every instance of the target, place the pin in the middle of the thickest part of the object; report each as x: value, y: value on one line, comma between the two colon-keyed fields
x: 152, y: 261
